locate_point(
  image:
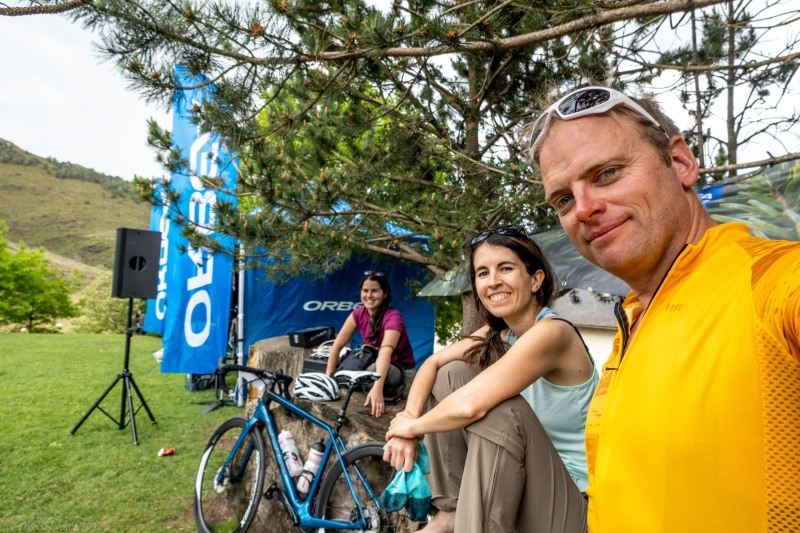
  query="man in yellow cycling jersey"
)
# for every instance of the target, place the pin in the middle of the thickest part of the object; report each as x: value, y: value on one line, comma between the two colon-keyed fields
x: 696, y: 421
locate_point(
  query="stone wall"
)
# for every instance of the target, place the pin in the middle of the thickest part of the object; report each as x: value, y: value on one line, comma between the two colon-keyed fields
x: 359, y: 426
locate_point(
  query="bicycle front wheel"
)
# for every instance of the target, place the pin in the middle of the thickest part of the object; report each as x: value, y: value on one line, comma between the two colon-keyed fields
x: 226, y: 497
x: 335, y: 500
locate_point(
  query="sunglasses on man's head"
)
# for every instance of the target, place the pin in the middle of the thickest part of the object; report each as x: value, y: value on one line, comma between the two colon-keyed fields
x: 499, y: 230
x: 374, y: 273
x: 588, y: 101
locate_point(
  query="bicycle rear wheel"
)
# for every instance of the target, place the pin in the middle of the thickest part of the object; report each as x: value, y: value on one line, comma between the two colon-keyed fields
x: 226, y: 498
x: 335, y: 501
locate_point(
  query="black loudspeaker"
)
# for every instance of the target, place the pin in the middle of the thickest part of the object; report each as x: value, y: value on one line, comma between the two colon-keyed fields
x: 136, y: 264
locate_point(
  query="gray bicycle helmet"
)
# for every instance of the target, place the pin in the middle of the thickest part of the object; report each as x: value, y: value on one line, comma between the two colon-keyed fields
x: 316, y: 386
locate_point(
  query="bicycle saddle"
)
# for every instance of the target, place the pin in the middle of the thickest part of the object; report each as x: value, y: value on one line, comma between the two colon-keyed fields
x: 357, y: 376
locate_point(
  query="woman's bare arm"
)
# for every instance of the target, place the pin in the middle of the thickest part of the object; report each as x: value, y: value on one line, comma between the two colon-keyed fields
x: 532, y: 356
x: 342, y: 338
x: 402, y: 452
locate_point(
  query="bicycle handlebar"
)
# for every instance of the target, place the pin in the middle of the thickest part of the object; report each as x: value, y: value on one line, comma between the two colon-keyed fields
x: 260, y: 372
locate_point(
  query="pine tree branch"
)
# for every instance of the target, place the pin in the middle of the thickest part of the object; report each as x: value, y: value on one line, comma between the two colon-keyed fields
x: 595, y: 20
x: 617, y: 4
x: 762, y: 163
x: 407, y: 93
x: 484, y: 17
x: 43, y: 10
x: 414, y: 257
x: 751, y: 65
x: 588, y: 22
x: 416, y: 181
x: 399, y: 217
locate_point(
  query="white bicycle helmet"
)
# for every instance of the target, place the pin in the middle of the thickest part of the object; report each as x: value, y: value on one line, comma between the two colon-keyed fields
x: 316, y: 386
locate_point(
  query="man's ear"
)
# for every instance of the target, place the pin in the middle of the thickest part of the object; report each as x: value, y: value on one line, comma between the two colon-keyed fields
x: 683, y: 162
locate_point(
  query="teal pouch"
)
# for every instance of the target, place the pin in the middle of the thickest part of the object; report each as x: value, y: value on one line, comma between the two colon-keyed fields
x: 410, y: 489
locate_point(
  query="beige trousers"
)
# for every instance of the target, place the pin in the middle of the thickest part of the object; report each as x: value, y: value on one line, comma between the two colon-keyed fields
x: 500, y: 473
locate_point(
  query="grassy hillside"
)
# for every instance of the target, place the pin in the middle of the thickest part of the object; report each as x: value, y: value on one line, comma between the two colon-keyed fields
x: 69, y: 210
x: 67, y: 266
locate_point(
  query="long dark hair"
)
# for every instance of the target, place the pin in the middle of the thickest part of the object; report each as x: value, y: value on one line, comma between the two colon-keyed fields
x: 491, y: 348
x: 376, y: 320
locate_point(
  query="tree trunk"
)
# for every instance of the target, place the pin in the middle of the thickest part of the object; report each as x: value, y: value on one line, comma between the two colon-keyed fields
x: 472, y: 320
x: 731, y: 82
x: 698, y: 104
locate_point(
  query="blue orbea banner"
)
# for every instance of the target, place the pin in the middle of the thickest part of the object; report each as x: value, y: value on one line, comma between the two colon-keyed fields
x: 159, y: 221
x: 197, y: 283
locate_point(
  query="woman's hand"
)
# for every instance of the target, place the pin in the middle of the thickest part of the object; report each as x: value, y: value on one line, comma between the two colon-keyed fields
x: 375, y: 397
x: 400, y: 426
x: 401, y: 453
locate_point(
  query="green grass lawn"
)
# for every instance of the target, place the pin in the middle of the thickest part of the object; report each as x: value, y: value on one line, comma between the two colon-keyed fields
x: 96, y: 479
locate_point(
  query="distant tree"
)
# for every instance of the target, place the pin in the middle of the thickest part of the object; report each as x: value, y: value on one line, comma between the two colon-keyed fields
x: 449, y: 317
x: 100, y: 313
x: 737, y: 62
x: 5, y: 268
x: 33, y: 293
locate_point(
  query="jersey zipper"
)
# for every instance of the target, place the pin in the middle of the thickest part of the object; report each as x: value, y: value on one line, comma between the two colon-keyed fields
x: 622, y: 319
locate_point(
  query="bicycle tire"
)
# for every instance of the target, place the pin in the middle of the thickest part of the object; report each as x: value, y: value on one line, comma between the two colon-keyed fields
x: 231, y: 505
x: 335, y: 501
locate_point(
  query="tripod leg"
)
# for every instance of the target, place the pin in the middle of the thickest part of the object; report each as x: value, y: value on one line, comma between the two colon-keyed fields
x: 93, y: 407
x: 125, y: 398
x: 141, y: 399
x: 130, y: 407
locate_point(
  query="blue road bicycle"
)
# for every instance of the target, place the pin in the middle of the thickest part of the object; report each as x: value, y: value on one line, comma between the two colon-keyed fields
x: 345, y: 494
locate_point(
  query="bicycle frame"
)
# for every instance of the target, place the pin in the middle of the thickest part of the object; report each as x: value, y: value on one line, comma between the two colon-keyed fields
x: 300, y: 508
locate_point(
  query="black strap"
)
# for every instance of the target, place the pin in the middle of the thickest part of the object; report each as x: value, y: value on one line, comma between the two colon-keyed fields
x: 576, y: 331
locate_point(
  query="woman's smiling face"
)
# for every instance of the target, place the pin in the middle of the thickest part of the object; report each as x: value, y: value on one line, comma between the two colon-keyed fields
x: 503, y: 284
x: 371, y: 295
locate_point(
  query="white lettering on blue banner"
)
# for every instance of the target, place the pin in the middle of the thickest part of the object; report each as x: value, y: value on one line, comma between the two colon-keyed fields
x: 163, y: 226
x: 203, y: 217
x: 159, y: 221
x: 199, y: 280
x: 202, y: 301
x: 314, y: 305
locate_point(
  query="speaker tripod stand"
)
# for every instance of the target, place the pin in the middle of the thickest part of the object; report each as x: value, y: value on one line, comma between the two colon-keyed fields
x: 127, y: 383
x: 222, y: 393
x: 225, y: 391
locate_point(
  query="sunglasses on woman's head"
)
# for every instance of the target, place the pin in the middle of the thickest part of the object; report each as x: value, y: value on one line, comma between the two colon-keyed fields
x: 588, y: 101
x: 499, y: 230
x: 374, y: 273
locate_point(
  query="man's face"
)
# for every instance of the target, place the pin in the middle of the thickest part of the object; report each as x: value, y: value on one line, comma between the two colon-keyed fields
x: 621, y: 206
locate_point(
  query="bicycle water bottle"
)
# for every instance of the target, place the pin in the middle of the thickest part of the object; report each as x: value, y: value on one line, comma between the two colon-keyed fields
x: 290, y: 453
x: 311, y: 467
